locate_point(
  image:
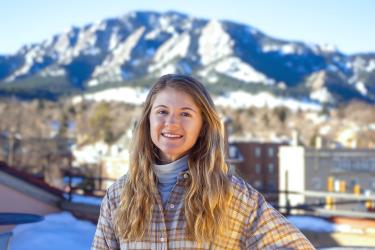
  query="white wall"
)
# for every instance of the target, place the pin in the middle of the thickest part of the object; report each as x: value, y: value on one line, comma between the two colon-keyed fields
x: 291, y: 167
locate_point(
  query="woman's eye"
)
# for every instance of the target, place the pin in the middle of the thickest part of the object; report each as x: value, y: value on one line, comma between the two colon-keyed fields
x: 185, y: 114
x: 162, y: 112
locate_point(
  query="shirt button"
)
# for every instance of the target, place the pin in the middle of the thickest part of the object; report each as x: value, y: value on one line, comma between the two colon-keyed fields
x: 186, y: 176
x: 171, y: 205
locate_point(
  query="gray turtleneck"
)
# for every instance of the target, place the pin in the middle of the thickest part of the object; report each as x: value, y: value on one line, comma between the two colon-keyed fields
x: 167, y: 175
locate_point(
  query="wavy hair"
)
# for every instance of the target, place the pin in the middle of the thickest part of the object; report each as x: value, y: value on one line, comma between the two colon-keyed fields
x: 208, y: 192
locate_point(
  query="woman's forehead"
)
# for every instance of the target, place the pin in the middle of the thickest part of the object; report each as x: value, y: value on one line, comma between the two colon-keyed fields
x: 174, y: 97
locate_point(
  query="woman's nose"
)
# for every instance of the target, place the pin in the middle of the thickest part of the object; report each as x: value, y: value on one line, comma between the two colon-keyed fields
x: 171, y: 120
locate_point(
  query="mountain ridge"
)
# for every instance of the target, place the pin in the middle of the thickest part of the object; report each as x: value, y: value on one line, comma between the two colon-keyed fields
x: 143, y: 45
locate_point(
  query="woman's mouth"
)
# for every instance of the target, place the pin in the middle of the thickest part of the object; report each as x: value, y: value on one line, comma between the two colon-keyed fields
x: 171, y: 135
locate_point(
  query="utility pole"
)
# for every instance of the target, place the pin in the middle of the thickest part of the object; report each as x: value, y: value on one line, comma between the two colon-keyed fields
x: 10, y: 148
x: 287, y: 212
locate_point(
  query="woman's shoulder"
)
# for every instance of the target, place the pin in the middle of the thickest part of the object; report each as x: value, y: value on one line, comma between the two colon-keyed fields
x: 244, y: 192
x: 240, y: 185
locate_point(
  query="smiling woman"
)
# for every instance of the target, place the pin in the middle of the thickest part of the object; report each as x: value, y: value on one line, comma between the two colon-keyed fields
x: 178, y: 193
x: 175, y: 124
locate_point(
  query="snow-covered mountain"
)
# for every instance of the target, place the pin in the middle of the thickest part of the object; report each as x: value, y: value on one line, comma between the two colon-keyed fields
x: 138, y: 47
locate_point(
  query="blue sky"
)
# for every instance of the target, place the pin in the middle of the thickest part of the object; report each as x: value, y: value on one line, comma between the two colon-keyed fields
x: 347, y: 24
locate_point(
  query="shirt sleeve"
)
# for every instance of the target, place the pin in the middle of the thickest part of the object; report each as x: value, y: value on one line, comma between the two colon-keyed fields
x: 105, y: 237
x: 268, y: 229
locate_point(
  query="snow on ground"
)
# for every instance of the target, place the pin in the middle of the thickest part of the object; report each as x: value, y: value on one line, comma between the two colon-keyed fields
x: 62, y: 231
x: 235, y: 99
x: 123, y: 94
x: 58, y: 231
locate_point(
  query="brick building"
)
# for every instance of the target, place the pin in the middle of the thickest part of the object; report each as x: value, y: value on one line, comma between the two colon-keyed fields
x: 259, y: 166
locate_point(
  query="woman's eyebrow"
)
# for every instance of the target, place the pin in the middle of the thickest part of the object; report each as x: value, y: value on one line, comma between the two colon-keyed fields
x: 188, y: 108
x: 183, y: 108
x: 160, y: 106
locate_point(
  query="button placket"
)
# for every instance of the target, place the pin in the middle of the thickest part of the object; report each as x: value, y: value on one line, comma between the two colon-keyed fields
x: 161, y: 236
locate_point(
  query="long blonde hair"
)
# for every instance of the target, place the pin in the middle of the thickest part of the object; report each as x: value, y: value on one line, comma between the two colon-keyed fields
x: 208, y: 192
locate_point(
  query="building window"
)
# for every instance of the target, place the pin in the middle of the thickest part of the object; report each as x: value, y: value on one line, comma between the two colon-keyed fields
x: 233, y: 153
x: 316, y: 183
x: 271, y: 152
x: 352, y: 184
x: 271, y: 186
x: 258, y: 152
x: 257, y: 168
x: 258, y: 184
x: 271, y: 168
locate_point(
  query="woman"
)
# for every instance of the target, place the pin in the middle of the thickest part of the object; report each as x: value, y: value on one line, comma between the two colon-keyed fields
x: 178, y: 194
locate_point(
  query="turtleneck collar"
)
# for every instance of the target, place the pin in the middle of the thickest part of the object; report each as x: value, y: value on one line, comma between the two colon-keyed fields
x: 167, y: 173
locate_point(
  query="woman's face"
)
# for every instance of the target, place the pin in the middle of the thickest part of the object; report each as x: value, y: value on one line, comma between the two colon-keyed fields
x: 175, y: 123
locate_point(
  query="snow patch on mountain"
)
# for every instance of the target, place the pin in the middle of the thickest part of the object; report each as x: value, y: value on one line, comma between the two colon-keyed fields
x: 165, y: 23
x: 214, y: 43
x: 328, y: 48
x: 371, y: 66
x: 153, y: 34
x: 318, y: 89
x: 235, y: 68
x: 114, y: 39
x: 360, y: 86
x: 53, y: 72
x: 322, y: 95
x: 168, y: 69
x: 284, y: 49
x: 209, y: 74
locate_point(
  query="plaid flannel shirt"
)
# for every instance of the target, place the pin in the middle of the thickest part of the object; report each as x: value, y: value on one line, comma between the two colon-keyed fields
x: 254, y: 224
